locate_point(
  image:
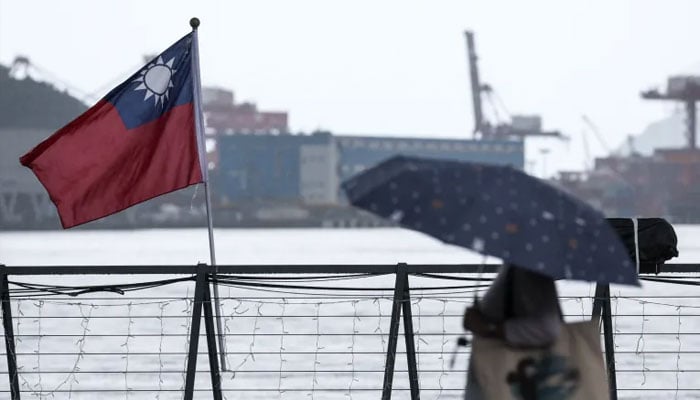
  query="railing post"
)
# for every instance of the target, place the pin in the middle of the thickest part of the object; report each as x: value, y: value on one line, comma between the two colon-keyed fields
x: 408, y: 335
x: 598, y: 301
x: 199, y: 290
x: 211, y: 344
x: 9, y: 336
x: 399, y: 288
x: 601, y: 306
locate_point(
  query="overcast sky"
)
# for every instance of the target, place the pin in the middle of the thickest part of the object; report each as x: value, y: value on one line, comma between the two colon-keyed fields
x: 387, y: 67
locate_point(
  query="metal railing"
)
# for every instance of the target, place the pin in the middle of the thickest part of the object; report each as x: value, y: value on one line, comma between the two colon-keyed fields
x: 350, y: 331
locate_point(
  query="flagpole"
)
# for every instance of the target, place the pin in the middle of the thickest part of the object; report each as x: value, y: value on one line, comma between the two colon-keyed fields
x: 194, y: 23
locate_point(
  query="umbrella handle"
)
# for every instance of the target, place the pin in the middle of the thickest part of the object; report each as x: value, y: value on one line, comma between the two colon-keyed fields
x: 462, y: 341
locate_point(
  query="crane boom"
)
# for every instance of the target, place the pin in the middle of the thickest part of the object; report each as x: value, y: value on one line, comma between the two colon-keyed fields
x: 518, y: 126
x: 596, y: 131
x: 475, y: 82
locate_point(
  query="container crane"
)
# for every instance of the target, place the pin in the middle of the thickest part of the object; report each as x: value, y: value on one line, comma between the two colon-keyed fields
x: 519, y: 126
x: 685, y: 89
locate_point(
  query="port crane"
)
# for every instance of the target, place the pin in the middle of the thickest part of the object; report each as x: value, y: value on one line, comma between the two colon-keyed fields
x: 684, y: 89
x: 519, y: 126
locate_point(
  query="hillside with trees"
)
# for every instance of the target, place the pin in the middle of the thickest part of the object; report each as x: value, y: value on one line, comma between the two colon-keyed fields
x: 26, y: 103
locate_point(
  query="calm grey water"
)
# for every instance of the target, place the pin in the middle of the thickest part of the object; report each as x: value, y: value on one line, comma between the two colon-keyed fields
x: 639, y: 359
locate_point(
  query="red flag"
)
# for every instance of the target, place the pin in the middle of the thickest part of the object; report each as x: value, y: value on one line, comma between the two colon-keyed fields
x: 139, y: 142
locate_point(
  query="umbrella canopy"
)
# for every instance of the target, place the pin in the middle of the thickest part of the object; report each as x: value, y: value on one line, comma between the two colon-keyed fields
x: 497, y: 211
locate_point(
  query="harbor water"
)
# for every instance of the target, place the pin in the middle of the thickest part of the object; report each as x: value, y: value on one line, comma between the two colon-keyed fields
x: 646, y: 359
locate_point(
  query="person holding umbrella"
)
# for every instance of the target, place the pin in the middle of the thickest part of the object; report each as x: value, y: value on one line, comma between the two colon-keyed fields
x: 521, y: 348
x: 520, y: 308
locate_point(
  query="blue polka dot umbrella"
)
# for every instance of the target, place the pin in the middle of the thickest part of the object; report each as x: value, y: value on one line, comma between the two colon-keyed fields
x: 498, y: 211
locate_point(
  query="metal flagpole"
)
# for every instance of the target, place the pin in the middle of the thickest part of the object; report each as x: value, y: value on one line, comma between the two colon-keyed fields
x: 199, y: 123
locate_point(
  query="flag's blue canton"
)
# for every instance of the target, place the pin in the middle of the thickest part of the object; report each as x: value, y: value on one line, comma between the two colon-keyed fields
x: 136, y: 110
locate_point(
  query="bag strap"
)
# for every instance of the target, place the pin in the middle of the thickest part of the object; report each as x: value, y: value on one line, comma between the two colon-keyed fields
x: 509, y: 312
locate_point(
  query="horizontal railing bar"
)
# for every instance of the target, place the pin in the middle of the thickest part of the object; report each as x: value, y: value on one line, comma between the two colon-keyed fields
x: 310, y: 390
x: 246, y: 269
x: 286, y: 353
x: 650, y: 352
x: 137, y: 335
x: 290, y: 300
x: 293, y: 353
x: 124, y: 317
x: 48, y: 392
x: 256, y: 299
x: 645, y: 315
x: 263, y: 371
x: 659, y: 389
x: 280, y: 269
x: 657, y: 333
x: 313, y: 316
x: 388, y: 315
x: 308, y: 371
x: 654, y: 370
x: 460, y: 389
x: 414, y: 300
x: 177, y: 353
x: 134, y: 335
x: 73, y: 299
x: 154, y: 316
x: 304, y: 353
x: 291, y: 303
x: 345, y: 389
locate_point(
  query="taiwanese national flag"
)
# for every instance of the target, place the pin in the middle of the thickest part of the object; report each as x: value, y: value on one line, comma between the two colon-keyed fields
x: 140, y: 141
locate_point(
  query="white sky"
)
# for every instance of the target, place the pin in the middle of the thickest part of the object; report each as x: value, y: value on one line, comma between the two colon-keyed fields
x: 387, y: 67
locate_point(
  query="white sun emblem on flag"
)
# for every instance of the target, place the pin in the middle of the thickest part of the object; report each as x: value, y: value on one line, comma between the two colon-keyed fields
x: 156, y: 80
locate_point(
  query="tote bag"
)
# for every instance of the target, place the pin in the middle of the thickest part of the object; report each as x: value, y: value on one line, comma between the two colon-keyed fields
x: 570, y: 369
